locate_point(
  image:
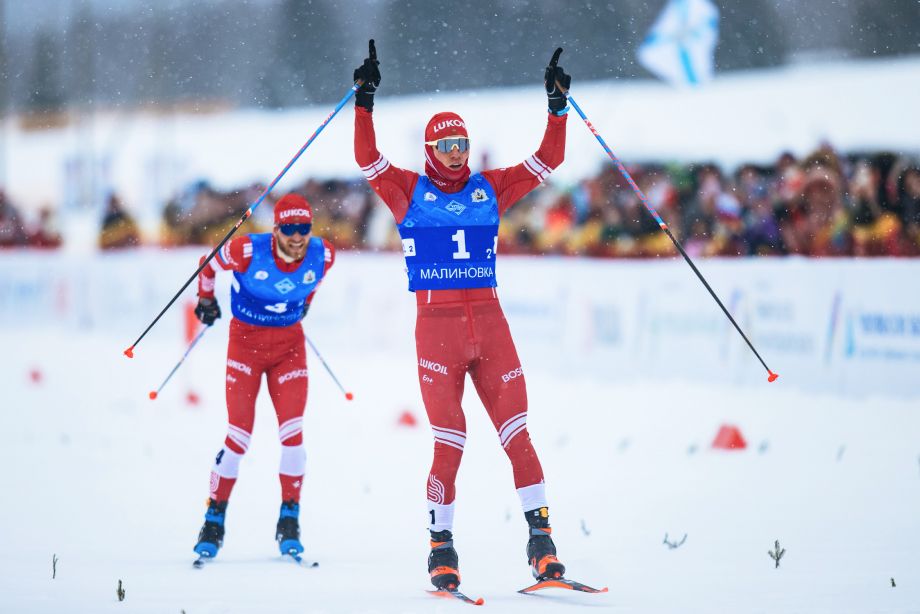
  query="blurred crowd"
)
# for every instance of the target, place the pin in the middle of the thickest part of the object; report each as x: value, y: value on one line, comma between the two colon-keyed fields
x: 825, y: 204
x: 15, y: 231
x: 822, y: 205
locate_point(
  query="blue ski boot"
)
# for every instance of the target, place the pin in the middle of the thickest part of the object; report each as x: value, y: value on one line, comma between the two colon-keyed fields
x: 211, y: 537
x: 288, y: 532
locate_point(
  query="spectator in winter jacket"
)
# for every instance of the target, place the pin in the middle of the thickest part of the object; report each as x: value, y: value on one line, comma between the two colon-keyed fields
x: 12, y: 233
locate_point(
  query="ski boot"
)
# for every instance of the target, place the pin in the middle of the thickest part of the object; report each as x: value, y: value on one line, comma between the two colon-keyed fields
x: 211, y: 536
x: 443, y: 563
x: 541, y: 552
x: 287, y: 533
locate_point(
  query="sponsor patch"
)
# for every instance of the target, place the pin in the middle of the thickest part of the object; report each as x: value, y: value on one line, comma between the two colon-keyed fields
x: 455, y: 207
x: 479, y: 195
x: 239, y: 366
x: 285, y: 285
x: 286, y: 377
x: 432, y: 366
x: 448, y: 123
x: 310, y: 277
x: 510, y: 375
x: 261, y: 275
x: 430, y: 197
x: 294, y: 213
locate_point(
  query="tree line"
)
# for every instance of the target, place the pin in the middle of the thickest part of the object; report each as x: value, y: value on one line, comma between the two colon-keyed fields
x: 282, y: 53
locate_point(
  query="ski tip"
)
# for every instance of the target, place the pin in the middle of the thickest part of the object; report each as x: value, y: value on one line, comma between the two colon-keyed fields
x: 456, y: 594
x: 129, y: 352
x: 772, y: 377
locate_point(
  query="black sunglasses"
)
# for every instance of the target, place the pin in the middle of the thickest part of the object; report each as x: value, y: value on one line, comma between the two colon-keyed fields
x: 288, y: 230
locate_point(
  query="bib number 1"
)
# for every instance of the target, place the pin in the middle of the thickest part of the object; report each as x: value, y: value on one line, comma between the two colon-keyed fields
x: 459, y: 238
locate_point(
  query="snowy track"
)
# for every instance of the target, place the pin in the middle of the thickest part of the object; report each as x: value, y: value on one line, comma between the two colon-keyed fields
x: 114, y: 485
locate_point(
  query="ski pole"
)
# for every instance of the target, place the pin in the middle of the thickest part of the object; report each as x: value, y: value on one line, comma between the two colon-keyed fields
x: 348, y: 395
x: 154, y: 393
x: 772, y: 376
x: 354, y: 88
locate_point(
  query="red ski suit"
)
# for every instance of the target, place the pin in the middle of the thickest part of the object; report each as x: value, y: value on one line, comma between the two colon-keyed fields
x: 277, y: 352
x: 464, y: 331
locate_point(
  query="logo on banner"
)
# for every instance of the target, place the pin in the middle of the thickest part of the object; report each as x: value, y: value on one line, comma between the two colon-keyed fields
x: 888, y: 336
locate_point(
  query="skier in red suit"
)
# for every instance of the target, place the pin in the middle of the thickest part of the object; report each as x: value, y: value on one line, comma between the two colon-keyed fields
x: 448, y: 222
x: 276, y: 276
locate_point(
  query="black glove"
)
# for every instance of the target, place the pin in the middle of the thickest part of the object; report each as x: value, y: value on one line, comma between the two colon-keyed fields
x: 207, y: 311
x: 369, y: 73
x: 553, y: 73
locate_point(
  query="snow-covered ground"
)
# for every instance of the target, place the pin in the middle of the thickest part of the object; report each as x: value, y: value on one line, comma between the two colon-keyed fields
x: 114, y: 486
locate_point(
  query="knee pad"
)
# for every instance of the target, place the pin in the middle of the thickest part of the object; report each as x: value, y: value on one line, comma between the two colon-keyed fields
x: 293, y: 460
x: 227, y: 463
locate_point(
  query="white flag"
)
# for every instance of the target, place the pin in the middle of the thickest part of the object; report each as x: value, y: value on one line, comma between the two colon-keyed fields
x: 680, y: 47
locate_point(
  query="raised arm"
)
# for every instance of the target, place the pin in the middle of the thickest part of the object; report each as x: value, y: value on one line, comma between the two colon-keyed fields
x: 511, y: 184
x: 393, y: 185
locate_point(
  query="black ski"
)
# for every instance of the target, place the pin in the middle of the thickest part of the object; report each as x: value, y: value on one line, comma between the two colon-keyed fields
x: 199, y: 562
x: 295, y: 556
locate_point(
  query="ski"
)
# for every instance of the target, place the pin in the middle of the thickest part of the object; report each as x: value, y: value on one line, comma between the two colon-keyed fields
x: 295, y: 556
x: 452, y: 593
x: 199, y: 562
x: 561, y: 583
